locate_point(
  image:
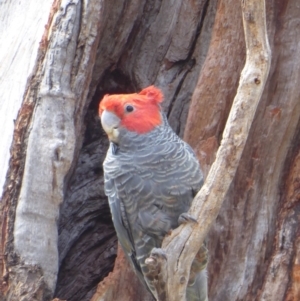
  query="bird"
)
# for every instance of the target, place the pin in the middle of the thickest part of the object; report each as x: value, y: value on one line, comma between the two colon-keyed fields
x: 151, y: 177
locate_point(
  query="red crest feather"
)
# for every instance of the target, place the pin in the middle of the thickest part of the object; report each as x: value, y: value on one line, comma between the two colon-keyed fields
x: 146, y: 114
x: 153, y: 93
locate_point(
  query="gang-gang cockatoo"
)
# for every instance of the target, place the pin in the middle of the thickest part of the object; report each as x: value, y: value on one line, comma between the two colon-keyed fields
x: 151, y: 178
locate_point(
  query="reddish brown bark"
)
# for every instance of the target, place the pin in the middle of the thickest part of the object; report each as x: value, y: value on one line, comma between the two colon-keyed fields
x: 289, y: 216
x: 217, y: 84
x: 121, y: 284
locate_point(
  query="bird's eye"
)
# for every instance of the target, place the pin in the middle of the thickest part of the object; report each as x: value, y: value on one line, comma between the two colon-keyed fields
x: 129, y: 108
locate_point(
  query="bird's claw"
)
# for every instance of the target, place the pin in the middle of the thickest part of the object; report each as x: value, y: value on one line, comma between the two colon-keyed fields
x: 155, y: 256
x: 158, y: 253
x: 186, y: 218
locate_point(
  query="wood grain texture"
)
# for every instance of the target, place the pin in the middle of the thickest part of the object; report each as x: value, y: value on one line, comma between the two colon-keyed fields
x: 17, y: 64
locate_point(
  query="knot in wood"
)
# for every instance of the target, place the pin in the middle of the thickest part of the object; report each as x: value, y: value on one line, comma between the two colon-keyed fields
x: 249, y: 17
x: 182, y: 280
x: 256, y: 81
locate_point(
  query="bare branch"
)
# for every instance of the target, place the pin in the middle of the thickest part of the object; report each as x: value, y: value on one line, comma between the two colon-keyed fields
x: 182, y: 249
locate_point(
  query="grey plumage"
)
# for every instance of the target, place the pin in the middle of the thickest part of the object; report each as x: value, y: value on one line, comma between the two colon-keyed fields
x: 150, y: 179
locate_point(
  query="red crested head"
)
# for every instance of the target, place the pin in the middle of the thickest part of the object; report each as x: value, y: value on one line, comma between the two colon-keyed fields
x: 137, y: 112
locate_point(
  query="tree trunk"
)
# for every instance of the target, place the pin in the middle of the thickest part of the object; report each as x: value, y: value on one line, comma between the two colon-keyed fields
x: 57, y: 238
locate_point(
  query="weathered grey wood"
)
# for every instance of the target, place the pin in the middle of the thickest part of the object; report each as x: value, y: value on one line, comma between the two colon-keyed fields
x: 142, y: 56
x: 17, y: 61
x: 50, y: 149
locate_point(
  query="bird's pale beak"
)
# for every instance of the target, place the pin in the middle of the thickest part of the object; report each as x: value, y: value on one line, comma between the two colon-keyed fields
x: 110, y: 123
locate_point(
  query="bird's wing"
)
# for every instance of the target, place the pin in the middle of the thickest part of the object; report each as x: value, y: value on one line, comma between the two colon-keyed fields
x: 167, y: 182
x: 122, y: 227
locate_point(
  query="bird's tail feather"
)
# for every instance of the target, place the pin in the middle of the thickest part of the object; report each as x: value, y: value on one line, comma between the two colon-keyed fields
x: 198, y: 291
x: 197, y: 288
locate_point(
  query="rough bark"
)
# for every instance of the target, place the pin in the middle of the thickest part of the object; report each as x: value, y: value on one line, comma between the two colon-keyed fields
x: 123, y: 46
x: 217, y: 85
x: 249, y: 252
x: 116, y: 283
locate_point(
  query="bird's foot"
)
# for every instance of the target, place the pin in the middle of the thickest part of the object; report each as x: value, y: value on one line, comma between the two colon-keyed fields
x: 156, y: 263
x: 199, y: 264
x: 202, y: 257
